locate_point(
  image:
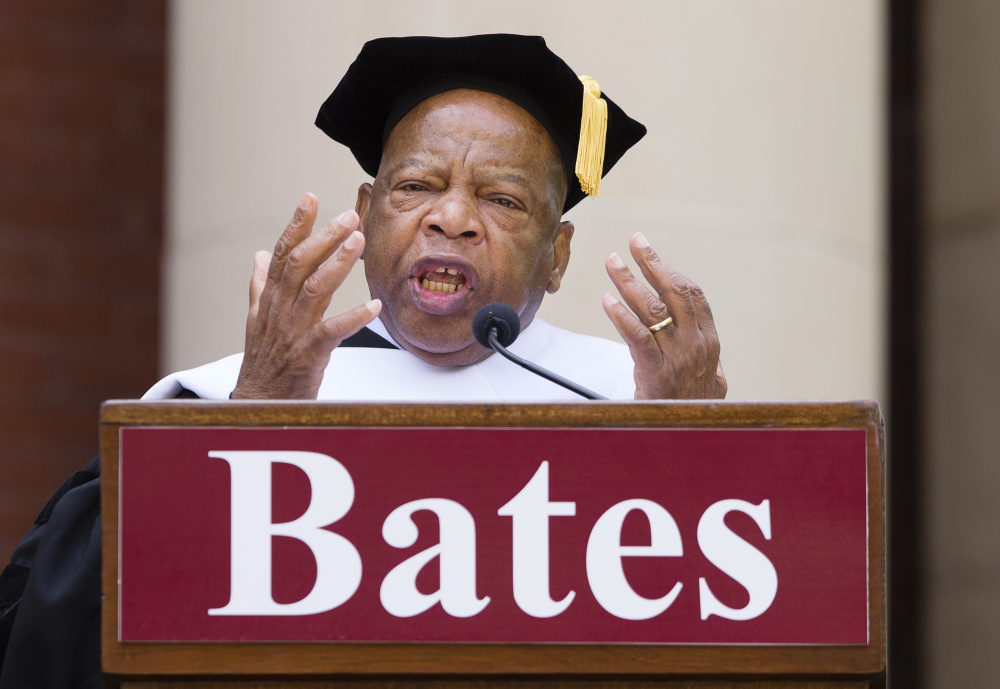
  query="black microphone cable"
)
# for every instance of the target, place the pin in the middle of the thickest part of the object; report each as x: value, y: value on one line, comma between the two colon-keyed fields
x: 497, y: 325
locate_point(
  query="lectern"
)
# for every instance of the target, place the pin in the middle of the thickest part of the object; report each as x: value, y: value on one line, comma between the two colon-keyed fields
x: 600, y: 544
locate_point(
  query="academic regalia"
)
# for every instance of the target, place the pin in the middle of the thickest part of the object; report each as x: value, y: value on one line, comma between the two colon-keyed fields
x: 392, y: 75
x: 391, y: 374
x: 50, y: 593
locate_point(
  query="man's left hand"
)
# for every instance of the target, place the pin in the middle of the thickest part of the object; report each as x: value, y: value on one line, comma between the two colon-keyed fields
x: 681, y: 360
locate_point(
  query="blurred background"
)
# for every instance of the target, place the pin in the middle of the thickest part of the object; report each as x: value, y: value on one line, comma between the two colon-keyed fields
x: 829, y: 173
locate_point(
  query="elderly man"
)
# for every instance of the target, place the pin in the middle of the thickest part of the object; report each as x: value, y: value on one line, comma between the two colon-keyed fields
x: 476, y: 150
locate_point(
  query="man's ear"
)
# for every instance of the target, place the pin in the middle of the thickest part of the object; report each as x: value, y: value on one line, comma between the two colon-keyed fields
x: 361, y: 207
x: 560, y: 254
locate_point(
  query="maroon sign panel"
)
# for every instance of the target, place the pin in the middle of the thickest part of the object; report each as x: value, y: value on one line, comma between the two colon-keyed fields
x: 494, y: 535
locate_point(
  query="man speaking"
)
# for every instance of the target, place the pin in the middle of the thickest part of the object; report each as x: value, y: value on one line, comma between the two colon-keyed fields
x: 477, y: 147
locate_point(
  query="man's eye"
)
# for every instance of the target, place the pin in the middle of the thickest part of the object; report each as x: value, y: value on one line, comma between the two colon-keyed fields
x: 413, y: 186
x: 506, y: 203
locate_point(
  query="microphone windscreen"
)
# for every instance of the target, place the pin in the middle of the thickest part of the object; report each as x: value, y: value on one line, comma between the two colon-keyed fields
x: 500, y: 315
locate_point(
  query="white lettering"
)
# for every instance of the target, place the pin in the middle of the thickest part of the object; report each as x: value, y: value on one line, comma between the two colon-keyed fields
x: 338, y: 564
x: 737, y: 558
x: 605, y: 553
x: 457, y: 553
x: 530, y: 510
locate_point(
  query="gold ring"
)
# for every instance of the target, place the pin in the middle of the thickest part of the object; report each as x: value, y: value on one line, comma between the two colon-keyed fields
x: 661, y: 325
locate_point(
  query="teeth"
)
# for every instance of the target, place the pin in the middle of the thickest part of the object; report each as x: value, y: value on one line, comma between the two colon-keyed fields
x: 451, y: 271
x: 440, y: 286
x: 439, y: 270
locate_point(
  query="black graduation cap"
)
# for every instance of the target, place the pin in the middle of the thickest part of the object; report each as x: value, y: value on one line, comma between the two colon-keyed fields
x: 392, y: 75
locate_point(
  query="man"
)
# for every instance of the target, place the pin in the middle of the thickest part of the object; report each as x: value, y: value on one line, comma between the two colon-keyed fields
x: 474, y: 166
x: 475, y: 149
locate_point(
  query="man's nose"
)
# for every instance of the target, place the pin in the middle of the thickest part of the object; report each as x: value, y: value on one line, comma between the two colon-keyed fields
x: 455, y: 214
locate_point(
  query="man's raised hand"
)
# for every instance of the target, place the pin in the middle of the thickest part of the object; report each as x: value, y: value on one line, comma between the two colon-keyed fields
x: 681, y: 360
x: 288, y: 341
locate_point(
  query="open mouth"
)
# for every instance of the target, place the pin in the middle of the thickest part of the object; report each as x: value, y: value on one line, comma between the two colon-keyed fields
x: 443, y: 284
x: 442, y: 279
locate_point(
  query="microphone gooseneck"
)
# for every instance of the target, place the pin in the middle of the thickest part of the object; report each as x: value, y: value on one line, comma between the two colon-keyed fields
x: 497, y: 325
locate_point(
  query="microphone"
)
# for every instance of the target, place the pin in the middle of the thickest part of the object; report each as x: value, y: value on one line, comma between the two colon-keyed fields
x: 497, y: 325
x: 500, y: 316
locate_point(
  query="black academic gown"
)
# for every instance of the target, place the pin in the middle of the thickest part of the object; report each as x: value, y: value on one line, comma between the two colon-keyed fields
x: 50, y: 593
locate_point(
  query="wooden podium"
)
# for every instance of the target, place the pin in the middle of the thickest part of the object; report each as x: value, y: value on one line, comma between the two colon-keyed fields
x: 824, y: 627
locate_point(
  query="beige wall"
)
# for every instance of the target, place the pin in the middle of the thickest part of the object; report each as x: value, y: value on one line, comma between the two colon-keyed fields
x: 962, y: 378
x: 761, y: 177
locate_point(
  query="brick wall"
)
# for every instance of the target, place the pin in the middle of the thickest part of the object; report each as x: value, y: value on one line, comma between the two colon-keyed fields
x: 81, y: 178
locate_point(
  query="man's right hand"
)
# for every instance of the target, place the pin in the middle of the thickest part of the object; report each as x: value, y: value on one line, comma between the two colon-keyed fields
x: 288, y: 341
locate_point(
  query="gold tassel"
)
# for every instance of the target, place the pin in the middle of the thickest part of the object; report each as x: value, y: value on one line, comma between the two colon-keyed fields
x: 593, y: 132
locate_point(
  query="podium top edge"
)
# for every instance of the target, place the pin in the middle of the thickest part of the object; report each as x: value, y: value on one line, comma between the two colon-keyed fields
x: 664, y: 413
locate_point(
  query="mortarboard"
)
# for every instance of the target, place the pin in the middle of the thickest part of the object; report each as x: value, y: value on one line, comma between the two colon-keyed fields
x: 392, y: 75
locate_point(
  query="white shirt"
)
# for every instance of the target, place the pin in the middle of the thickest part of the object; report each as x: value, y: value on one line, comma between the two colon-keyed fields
x: 364, y: 375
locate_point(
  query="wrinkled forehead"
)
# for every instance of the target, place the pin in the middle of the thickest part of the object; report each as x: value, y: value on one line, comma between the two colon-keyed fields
x: 481, y: 115
x: 483, y: 118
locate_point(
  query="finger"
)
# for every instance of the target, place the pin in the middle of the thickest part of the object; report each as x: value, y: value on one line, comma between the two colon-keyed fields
x: 649, y: 308
x: 261, y: 262
x: 318, y: 289
x: 297, y: 229
x: 336, y: 329
x: 721, y: 385
x: 311, y: 252
x: 685, y: 299
x: 641, y: 343
x: 339, y: 228
x: 673, y: 289
x: 706, y: 322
